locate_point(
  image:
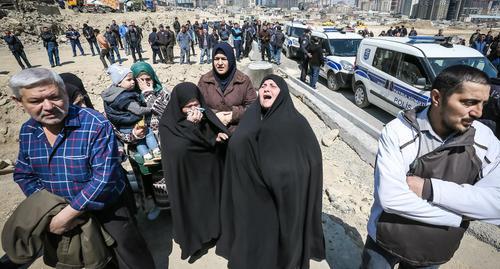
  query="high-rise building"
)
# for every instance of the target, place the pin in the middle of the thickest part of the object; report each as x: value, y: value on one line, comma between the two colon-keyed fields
x: 432, y: 9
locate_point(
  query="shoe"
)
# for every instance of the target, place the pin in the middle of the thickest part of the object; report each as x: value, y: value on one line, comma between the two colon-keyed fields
x: 148, y: 160
x: 155, y: 62
x: 156, y: 154
x: 52, y: 66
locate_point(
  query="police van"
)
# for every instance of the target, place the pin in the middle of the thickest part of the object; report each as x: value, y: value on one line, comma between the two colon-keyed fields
x: 396, y: 73
x: 340, y: 49
x: 293, y: 31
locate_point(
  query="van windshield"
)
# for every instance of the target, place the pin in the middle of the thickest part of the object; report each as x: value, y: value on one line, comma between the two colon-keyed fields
x: 297, y: 32
x: 344, y: 47
x: 481, y: 63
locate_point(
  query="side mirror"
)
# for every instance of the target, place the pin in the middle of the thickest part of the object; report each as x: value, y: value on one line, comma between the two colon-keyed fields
x: 421, y: 83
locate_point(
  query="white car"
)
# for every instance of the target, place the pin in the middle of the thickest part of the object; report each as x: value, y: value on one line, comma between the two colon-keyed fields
x: 340, y: 50
x: 396, y: 73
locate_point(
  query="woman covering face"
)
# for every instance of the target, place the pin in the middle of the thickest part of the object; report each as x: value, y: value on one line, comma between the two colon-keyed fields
x: 272, y: 189
x: 227, y: 91
x: 192, y: 140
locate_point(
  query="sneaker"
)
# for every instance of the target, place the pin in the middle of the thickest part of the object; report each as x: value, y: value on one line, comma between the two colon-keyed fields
x: 148, y: 159
x: 156, y: 154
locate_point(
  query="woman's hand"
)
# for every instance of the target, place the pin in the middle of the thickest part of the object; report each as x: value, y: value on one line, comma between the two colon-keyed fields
x: 144, y: 85
x: 225, y: 117
x: 194, y: 116
x: 221, y: 137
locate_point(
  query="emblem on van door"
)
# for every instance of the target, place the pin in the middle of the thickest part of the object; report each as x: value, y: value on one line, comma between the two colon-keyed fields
x: 366, y: 55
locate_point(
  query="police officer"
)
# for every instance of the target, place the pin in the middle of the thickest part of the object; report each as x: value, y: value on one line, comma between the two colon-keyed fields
x: 304, y: 41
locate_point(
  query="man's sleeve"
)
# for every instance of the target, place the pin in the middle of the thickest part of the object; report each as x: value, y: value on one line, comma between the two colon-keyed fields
x: 23, y: 172
x: 105, y: 170
x: 480, y: 201
x: 394, y: 193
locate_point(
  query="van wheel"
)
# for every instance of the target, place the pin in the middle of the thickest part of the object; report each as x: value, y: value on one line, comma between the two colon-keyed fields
x: 333, y: 84
x: 360, y: 96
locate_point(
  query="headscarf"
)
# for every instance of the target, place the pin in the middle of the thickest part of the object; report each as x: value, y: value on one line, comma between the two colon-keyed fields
x: 272, y: 189
x: 74, y: 87
x: 140, y: 67
x: 193, y: 166
x: 225, y: 79
x: 173, y: 117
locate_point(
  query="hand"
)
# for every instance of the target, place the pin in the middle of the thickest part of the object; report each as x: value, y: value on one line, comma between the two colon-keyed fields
x: 139, y: 132
x: 145, y: 86
x: 225, y: 117
x: 416, y: 184
x: 221, y: 137
x: 309, y: 55
x: 194, y: 116
x: 65, y: 220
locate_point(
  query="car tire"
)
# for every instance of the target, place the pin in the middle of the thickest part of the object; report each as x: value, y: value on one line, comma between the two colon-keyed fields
x: 360, y: 96
x: 332, y: 82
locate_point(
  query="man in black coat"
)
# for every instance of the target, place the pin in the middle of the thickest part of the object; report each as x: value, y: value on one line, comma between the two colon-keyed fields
x: 115, y: 28
x: 50, y: 43
x: 153, y: 40
x: 17, y: 48
x: 134, y: 40
x: 88, y: 33
x: 169, y: 58
x: 177, y: 26
x: 162, y: 41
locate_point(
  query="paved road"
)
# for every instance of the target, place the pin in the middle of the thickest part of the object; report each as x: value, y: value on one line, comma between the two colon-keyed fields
x: 373, y: 115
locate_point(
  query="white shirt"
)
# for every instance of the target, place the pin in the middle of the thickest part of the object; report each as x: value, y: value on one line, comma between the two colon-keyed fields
x: 450, y: 200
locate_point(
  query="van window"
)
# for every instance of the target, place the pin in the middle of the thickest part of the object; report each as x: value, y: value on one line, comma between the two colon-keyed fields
x: 410, y: 69
x: 386, y: 60
x: 296, y: 32
x: 325, y: 46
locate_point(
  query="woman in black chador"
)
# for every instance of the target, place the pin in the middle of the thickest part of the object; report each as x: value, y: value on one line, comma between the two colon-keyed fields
x: 272, y: 188
x: 192, y: 141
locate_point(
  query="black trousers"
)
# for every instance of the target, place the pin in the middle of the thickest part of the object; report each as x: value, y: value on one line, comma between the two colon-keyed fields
x: 163, y: 54
x: 19, y: 54
x: 134, y: 49
x: 170, y: 54
x: 304, y: 66
x: 265, y: 48
x: 130, y: 248
x: 157, y: 52
x: 105, y: 53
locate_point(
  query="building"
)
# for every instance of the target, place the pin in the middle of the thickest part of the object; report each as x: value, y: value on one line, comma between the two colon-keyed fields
x: 432, y: 9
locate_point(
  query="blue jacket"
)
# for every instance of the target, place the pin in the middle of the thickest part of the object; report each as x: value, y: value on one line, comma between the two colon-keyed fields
x: 123, y: 29
x: 480, y: 46
x: 116, y: 101
x: 184, y: 40
x: 72, y: 35
x: 237, y: 33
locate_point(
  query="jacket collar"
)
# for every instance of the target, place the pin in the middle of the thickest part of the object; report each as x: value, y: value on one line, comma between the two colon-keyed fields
x: 239, y: 78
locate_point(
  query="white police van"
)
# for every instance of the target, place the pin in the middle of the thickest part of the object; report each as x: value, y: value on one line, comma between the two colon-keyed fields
x: 293, y: 31
x: 340, y: 49
x: 396, y: 73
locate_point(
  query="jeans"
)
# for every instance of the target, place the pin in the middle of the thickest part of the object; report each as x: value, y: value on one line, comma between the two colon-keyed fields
x: 76, y: 43
x: 19, y: 54
x: 145, y: 145
x: 53, y: 52
x: 185, y: 55
x: 204, y: 52
x: 277, y: 54
x: 127, y: 49
x: 314, y: 76
x: 92, y: 43
x: 237, y: 47
x: 375, y: 257
x: 112, y: 51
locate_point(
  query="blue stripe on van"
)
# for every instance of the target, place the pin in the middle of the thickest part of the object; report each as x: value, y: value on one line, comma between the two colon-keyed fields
x: 396, y: 87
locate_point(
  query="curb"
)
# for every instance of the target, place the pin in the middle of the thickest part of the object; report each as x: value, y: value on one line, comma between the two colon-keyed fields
x: 350, y: 128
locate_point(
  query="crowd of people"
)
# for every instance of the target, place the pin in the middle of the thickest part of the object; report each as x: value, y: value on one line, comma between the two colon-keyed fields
x: 242, y: 166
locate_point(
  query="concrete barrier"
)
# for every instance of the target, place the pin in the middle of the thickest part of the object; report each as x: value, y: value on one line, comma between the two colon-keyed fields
x: 257, y: 71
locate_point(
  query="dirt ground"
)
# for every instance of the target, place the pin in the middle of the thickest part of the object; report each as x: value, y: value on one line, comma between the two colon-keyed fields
x: 347, y: 179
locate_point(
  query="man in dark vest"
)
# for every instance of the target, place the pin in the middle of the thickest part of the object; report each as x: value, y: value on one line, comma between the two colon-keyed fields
x: 304, y: 56
x: 437, y: 168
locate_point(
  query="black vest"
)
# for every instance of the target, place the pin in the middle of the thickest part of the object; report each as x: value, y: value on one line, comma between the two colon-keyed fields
x: 422, y: 244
